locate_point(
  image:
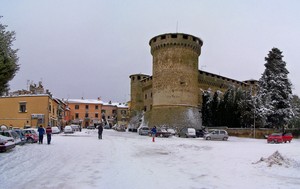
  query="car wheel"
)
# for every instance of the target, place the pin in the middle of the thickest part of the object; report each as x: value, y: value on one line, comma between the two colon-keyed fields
x: 225, y: 138
x: 30, y: 140
x: 208, y: 138
x: 161, y: 135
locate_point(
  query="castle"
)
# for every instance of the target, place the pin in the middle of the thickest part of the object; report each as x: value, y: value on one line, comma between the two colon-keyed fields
x: 172, y: 96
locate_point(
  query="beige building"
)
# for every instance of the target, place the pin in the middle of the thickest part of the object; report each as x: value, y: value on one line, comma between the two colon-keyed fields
x: 172, y: 96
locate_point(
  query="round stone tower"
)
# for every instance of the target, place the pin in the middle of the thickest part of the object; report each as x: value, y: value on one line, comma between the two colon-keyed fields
x: 175, y: 80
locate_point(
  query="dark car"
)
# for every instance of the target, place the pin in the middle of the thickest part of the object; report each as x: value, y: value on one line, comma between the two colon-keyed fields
x: 201, y: 132
x: 162, y: 132
x: 6, y: 143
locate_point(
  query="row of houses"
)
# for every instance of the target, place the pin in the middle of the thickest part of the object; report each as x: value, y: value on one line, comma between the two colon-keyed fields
x: 35, y: 107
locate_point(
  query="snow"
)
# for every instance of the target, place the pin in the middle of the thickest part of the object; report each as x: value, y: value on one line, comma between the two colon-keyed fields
x: 127, y: 160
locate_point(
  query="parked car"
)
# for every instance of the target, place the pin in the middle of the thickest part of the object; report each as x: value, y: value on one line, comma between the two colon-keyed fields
x: 6, y: 143
x: 14, y: 135
x: 162, y: 132
x: 201, y: 132
x: 172, y: 131
x: 120, y: 128
x: 21, y: 133
x: 91, y: 127
x: 144, y: 131
x: 75, y: 127
x: 55, y: 130
x: 216, y: 135
x: 31, y: 135
x: 279, y: 138
x: 287, y: 137
x: 68, y: 129
x: 107, y: 126
x: 187, y: 132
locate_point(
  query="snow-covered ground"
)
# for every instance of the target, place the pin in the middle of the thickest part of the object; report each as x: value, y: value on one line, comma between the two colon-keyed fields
x: 126, y: 160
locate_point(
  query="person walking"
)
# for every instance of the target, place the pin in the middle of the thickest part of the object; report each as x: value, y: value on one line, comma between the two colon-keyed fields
x: 48, y: 132
x: 41, y: 132
x: 153, y: 132
x: 100, y: 130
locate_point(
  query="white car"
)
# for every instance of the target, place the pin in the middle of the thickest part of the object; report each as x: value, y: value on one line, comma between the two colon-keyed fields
x: 55, y: 130
x: 172, y: 131
x: 68, y: 129
x: 187, y: 132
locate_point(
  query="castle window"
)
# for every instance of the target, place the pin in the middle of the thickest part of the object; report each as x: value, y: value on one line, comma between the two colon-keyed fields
x: 76, y: 107
x: 173, y: 36
x: 86, y: 115
x: 96, y: 107
x: 145, y: 96
x: 145, y: 108
x: 139, y: 77
x: 86, y: 107
x: 163, y: 37
x: 185, y: 37
x: 76, y: 115
x: 96, y: 115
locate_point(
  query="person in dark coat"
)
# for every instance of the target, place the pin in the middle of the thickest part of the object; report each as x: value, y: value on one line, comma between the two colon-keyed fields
x: 48, y: 132
x: 153, y: 132
x: 41, y: 132
x: 100, y: 130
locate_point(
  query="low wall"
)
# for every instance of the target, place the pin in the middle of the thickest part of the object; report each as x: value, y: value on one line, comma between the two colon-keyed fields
x: 259, y: 132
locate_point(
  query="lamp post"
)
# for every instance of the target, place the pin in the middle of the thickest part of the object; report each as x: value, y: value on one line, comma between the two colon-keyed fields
x: 254, y: 121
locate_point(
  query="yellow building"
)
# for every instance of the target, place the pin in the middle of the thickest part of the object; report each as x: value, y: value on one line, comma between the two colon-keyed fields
x: 29, y: 110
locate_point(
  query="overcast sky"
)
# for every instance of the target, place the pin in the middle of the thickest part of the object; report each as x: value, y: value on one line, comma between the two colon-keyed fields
x: 89, y: 48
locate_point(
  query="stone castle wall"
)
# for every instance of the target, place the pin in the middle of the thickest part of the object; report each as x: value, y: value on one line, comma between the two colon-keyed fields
x: 172, y: 96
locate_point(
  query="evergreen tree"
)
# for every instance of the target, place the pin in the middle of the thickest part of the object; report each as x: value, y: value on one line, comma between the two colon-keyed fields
x: 206, y: 108
x: 275, y: 93
x: 246, y: 108
x: 295, y: 122
x: 8, y: 58
x: 215, y: 109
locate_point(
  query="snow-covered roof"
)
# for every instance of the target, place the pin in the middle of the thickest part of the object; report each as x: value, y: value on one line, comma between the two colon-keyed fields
x: 85, y: 101
x: 119, y: 105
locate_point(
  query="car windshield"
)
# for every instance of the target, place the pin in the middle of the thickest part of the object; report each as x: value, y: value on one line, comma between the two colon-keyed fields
x: 276, y: 134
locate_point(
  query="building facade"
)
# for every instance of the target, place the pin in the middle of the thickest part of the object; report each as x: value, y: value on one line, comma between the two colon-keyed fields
x: 87, y: 112
x: 29, y: 111
x: 172, y: 96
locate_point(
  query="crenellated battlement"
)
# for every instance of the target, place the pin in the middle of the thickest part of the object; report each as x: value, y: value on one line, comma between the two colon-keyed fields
x: 176, y: 39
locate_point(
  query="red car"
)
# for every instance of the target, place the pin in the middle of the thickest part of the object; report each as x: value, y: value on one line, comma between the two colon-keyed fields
x: 280, y: 138
x: 31, y: 135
